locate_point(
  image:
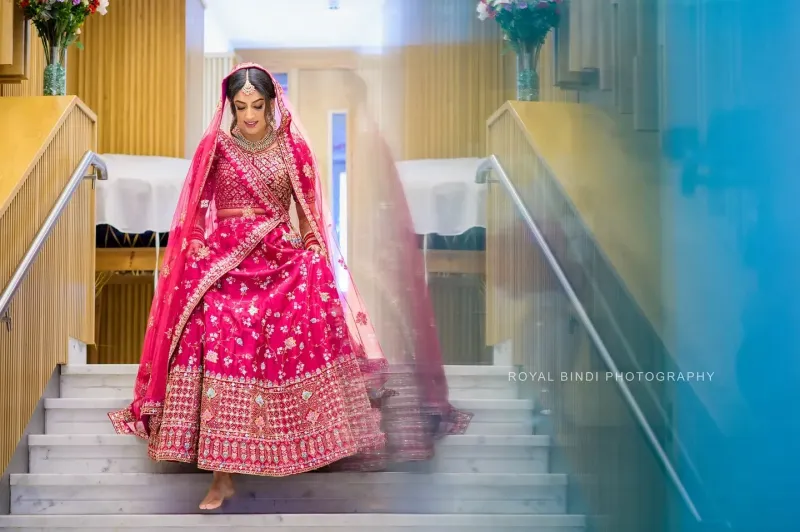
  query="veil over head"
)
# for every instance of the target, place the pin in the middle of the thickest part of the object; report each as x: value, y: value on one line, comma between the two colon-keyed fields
x: 169, y: 309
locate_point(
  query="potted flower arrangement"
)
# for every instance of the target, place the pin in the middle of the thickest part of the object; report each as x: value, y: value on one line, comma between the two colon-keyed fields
x: 525, y: 25
x: 58, y: 23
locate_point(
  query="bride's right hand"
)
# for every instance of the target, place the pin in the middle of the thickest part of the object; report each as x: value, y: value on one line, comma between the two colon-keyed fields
x: 194, y: 248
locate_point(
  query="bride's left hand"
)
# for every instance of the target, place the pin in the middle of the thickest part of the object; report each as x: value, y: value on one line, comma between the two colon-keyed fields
x: 315, y: 249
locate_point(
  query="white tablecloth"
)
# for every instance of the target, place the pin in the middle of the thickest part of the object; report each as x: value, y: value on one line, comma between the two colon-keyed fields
x: 141, y: 193
x: 443, y: 196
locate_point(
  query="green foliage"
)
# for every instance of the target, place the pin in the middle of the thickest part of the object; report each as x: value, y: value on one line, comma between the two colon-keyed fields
x: 525, y: 24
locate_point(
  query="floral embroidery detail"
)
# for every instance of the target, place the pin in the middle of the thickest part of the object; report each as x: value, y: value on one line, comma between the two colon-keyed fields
x: 243, y: 435
x: 361, y: 318
x: 203, y: 252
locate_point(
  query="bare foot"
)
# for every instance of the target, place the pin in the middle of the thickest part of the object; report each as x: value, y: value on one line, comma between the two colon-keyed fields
x: 221, y: 488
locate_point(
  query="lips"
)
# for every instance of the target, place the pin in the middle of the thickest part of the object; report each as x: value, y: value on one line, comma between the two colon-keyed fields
x: 251, y: 124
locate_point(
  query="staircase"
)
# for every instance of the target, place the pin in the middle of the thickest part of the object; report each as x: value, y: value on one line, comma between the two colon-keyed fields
x: 495, y: 478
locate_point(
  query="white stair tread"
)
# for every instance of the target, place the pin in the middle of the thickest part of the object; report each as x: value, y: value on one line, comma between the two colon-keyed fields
x: 126, y: 440
x: 372, y: 522
x: 439, y: 479
x: 312, y: 493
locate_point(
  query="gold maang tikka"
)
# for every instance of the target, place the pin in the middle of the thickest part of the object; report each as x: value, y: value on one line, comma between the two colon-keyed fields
x: 248, y: 88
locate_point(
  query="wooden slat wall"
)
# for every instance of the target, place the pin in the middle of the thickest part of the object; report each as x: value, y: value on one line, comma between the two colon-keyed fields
x: 451, y: 89
x: 56, y: 299
x: 124, y: 304
x: 133, y: 74
x: 453, y: 76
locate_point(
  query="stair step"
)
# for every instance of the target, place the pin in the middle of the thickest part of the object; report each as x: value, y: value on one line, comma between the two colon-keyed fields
x: 116, y: 380
x: 90, y: 416
x: 299, y: 523
x: 112, y: 453
x: 439, y: 493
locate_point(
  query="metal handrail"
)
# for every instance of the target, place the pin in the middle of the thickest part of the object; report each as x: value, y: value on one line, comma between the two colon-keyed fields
x: 101, y: 173
x: 492, y: 163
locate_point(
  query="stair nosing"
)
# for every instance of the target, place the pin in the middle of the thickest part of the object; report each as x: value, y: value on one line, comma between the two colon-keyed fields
x: 80, y: 440
x: 295, y: 520
x: 145, y: 479
x: 132, y: 369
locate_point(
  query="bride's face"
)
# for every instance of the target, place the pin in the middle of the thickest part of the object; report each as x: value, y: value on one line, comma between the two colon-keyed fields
x: 251, y: 114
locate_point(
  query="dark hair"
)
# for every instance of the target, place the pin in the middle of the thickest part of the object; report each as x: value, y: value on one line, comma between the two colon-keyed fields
x: 258, y: 78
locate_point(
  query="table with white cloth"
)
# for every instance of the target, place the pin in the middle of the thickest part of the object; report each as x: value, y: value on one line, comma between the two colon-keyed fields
x: 141, y: 192
x: 134, y: 209
x: 443, y: 196
x: 448, y: 207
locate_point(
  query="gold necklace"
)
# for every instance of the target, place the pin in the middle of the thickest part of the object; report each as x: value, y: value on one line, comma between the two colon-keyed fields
x: 249, y: 145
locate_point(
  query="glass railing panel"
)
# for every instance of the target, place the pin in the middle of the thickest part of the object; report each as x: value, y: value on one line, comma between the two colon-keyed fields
x: 615, y: 478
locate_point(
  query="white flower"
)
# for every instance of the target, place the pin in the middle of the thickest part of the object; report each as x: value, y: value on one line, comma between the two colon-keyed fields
x: 103, y: 7
x: 483, y: 11
x: 500, y: 2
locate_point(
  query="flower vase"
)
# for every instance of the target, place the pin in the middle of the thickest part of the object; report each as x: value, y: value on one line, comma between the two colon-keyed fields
x: 55, y: 73
x: 527, y: 74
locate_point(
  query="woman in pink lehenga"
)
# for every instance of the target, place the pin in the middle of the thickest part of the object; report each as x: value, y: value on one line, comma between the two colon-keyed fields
x: 255, y: 360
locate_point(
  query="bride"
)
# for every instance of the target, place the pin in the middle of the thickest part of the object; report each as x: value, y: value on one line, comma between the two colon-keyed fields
x: 257, y: 359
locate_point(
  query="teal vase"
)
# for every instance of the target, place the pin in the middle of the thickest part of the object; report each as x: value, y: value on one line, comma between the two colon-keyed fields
x: 55, y: 73
x: 527, y: 74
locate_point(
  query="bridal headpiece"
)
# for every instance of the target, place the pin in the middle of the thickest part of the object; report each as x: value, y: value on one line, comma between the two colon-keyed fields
x: 248, y: 88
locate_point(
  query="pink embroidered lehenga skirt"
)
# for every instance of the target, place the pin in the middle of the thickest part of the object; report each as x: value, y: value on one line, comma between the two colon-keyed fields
x: 265, y: 380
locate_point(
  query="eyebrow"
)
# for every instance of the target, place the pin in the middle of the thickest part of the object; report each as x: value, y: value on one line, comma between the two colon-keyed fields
x: 245, y: 103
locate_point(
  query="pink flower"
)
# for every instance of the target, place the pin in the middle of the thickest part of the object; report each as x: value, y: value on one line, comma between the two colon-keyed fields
x: 483, y: 10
